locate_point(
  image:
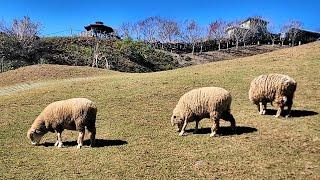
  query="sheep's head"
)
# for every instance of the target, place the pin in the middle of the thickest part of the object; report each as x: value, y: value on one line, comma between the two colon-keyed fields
x: 35, y: 136
x: 176, y: 119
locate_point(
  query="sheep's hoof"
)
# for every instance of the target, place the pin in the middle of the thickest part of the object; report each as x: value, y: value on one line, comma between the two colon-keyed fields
x: 288, y: 116
x: 276, y: 116
x: 178, y: 130
x: 214, y: 135
x: 60, y: 145
x: 263, y: 112
x: 79, y: 147
x: 56, y: 144
x: 182, y: 134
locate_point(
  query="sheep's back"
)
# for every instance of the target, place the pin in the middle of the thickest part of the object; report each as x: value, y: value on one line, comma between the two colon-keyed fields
x: 205, y: 100
x: 269, y: 87
x: 68, y: 110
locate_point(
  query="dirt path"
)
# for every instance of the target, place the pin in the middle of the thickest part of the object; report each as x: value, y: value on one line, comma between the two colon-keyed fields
x: 27, y: 86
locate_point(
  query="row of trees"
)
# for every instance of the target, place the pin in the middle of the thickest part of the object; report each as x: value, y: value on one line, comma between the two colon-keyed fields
x: 156, y: 29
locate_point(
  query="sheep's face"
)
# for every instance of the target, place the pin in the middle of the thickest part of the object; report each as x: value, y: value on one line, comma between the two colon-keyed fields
x: 35, y: 136
x: 176, y: 118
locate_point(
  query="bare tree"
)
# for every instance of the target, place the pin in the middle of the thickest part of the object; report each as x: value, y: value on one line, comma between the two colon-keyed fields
x: 168, y: 30
x: 217, y: 31
x: 149, y: 28
x: 24, y: 30
x: 272, y: 34
x: 292, y: 30
x: 190, y: 33
x: 125, y: 30
x: 235, y: 32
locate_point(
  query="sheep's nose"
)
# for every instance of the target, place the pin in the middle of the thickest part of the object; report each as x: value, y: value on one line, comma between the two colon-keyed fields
x: 34, y: 143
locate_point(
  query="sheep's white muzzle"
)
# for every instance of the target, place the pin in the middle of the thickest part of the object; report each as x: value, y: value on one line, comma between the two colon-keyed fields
x: 34, y: 143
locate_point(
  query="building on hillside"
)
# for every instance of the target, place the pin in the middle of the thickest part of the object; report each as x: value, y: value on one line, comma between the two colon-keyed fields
x: 98, y: 29
x: 253, y: 22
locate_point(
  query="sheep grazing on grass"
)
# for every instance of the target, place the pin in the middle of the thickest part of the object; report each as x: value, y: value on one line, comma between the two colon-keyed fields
x: 206, y: 102
x: 273, y: 88
x: 70, y: 114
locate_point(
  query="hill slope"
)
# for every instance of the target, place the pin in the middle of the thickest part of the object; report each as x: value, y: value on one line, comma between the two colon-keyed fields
x: 136, y: 140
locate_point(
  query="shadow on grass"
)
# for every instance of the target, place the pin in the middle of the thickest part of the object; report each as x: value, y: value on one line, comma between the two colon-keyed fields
x: 294, y: 113
x: 226, y: 131
x: 98, y: 143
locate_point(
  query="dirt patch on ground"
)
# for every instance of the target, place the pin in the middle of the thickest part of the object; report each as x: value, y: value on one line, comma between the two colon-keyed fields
x: 47, y: 72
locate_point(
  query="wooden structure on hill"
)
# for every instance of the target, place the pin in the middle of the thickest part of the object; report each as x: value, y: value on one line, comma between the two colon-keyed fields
x: 99, y: 30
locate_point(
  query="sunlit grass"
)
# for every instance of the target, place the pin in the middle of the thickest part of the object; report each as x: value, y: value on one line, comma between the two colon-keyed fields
x: 137, y: 140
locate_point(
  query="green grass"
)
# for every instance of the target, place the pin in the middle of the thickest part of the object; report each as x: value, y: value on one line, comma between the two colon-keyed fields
x: 133, y: 126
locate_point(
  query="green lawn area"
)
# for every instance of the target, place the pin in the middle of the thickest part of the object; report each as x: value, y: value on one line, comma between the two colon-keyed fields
x: 136, y: 140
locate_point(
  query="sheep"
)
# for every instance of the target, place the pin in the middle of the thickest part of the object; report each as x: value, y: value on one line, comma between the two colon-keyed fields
x: 205, y: 102
x: 70, y: 114
x: 273, y: 88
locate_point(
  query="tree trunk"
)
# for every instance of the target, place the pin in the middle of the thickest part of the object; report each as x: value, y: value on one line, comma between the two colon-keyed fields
x: 237, y: 44
x: 219, y: 45
x: 292, y: 43
x: 244, y: 44
x: 192, y: 49
x: 201, y: 46
x: 272, y: 43
x: 2, y: 65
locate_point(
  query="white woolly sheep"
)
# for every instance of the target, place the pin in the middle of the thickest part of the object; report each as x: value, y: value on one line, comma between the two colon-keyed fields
x: 70, y: 114
x: 271, y: 88
x: 206, y: 102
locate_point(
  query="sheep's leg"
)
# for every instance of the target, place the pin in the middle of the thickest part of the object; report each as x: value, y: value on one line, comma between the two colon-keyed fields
x: 232, y: 122
x: 196, y: 127
x: 59, y: 140
x: 262, y: 111
x: 280, y: 109
x: 258, y: 106
x: 264, y: 108
x: 80, y: 139
x: 289, y: 110
x: 92, y: 135
x: 185, y: 123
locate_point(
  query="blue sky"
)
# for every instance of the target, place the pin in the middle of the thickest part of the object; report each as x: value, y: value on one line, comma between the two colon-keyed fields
x: 59, y: 16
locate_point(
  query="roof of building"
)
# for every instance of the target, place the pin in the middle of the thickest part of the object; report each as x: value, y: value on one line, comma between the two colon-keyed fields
x: 255, y: 19
x: 100, y: 27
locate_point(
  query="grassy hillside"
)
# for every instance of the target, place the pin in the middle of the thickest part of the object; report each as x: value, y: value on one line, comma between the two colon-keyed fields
x: 136, y: 140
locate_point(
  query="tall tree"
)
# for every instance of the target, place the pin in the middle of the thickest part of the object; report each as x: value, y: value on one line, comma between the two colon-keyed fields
x: 235, y: 32
x: 272, y: 33
x: 149, y: 28
x: 168, y: 30
x: 217, y: 31
x: 125, y: 30
x: 292, y: 30
x: 191, y: 33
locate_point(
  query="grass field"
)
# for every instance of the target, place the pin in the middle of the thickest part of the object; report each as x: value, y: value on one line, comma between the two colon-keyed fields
x: 134, y: 135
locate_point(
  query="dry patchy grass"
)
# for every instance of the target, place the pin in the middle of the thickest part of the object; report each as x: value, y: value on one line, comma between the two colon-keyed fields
x: 135, y: 137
